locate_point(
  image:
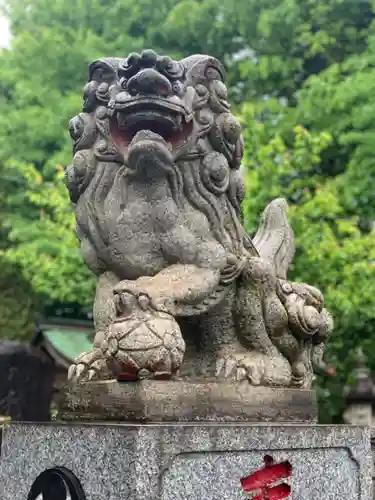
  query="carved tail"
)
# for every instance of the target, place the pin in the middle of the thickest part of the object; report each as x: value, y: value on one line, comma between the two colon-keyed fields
x: 274, y: 239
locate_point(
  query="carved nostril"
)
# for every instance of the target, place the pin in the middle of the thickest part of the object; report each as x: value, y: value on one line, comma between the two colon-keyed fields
x: 149, y: 81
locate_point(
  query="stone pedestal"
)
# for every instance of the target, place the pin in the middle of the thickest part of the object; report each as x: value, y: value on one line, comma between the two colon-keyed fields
x: 199, y: 461
x: 185, y: 401
x: 189, y: 441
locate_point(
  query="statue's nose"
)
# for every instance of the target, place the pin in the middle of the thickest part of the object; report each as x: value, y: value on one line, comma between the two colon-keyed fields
x: 149, y: 81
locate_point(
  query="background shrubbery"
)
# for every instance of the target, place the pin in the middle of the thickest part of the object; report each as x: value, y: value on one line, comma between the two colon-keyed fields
x: 301, y: 75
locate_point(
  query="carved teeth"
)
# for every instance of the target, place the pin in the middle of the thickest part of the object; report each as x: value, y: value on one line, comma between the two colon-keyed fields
x: 144, y: 374
x: 179, y: 122
x: 178, y: 125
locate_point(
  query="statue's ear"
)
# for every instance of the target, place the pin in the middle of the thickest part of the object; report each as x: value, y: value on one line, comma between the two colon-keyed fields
x: 203, y: 69
x: 105, y: 70
x: 274, y: 239
x: 238, y: 152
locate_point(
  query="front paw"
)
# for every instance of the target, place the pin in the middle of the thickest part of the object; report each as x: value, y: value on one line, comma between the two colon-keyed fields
x: 144, y: 293
x: 88, y: 366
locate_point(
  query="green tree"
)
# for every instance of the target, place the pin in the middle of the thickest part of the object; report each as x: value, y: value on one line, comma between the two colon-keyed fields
x: 42, y: 78
x: 300, y: 74
x: 331, y: 250
x: 19, y: 309
x: 47, y: 250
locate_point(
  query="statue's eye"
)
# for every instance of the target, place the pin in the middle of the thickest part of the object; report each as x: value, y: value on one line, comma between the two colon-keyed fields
x: 76, y: 127
x: 213, y: 74
x: 103, y: 75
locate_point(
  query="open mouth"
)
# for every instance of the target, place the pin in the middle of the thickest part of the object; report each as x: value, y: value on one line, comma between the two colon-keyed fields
x: 170, y: 123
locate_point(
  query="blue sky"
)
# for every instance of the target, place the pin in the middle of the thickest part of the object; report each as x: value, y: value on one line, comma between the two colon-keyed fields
x: 4, y: 32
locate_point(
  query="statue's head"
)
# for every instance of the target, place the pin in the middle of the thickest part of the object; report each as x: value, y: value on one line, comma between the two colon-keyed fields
x: 156, y: 118
x: 159, y: 111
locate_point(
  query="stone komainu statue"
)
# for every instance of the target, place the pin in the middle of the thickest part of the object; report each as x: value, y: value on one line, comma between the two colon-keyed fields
x: 182, y: 290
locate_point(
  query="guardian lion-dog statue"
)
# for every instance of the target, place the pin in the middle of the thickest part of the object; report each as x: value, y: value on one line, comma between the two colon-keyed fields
x: 182, y: 290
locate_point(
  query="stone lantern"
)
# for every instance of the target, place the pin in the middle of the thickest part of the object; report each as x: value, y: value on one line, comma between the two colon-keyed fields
x: 360, y: 402
x: 360, y: 397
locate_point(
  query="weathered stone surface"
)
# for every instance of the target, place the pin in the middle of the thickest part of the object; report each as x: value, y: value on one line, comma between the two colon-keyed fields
x: 157, y: 401
x: 26, y: 382
x: 182, y: 461
x: 157, y: 189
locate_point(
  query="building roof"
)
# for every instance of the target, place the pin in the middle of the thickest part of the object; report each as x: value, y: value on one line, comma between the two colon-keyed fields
x: 64, y: 340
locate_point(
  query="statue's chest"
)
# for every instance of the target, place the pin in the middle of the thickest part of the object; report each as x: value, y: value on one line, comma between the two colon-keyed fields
x: 145, y: 220
x: 151, y: 232
x: 157, y: 227
x: 134, y: 243
x: 142, y: 217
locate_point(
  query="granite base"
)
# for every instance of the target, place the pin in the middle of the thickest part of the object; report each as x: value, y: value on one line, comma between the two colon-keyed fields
x: 187, y: 461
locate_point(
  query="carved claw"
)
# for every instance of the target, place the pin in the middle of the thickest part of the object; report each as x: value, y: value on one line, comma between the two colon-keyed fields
x: 143, y: 294
x: 76, y: 371
x: 229, y: 367
x: 254, y: 367
x: 241, y: 374
x: 89, y: 366
x: 236, y: 369
x: 125, y: 302
x: 220, y: 363
x: 81, y: 367
x: 71, y: 372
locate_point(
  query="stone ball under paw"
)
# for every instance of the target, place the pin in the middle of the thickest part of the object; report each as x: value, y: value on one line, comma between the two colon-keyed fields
x: 150, y: 346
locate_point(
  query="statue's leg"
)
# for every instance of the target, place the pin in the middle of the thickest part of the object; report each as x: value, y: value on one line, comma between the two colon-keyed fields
x: 227, y: 357
x: 187, y: 290
x: 144, y: 339
x: 178, y: 290
x: 217, y: 339
x: 92, y: 364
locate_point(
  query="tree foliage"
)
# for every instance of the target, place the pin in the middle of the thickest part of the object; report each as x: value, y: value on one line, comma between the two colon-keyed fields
x: 47, y: 248
x: 301, y: 78
x: 331, y: 250
x: 19, y: 309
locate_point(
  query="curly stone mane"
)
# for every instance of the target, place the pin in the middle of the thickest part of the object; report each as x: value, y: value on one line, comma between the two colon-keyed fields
x: 207, y: 176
